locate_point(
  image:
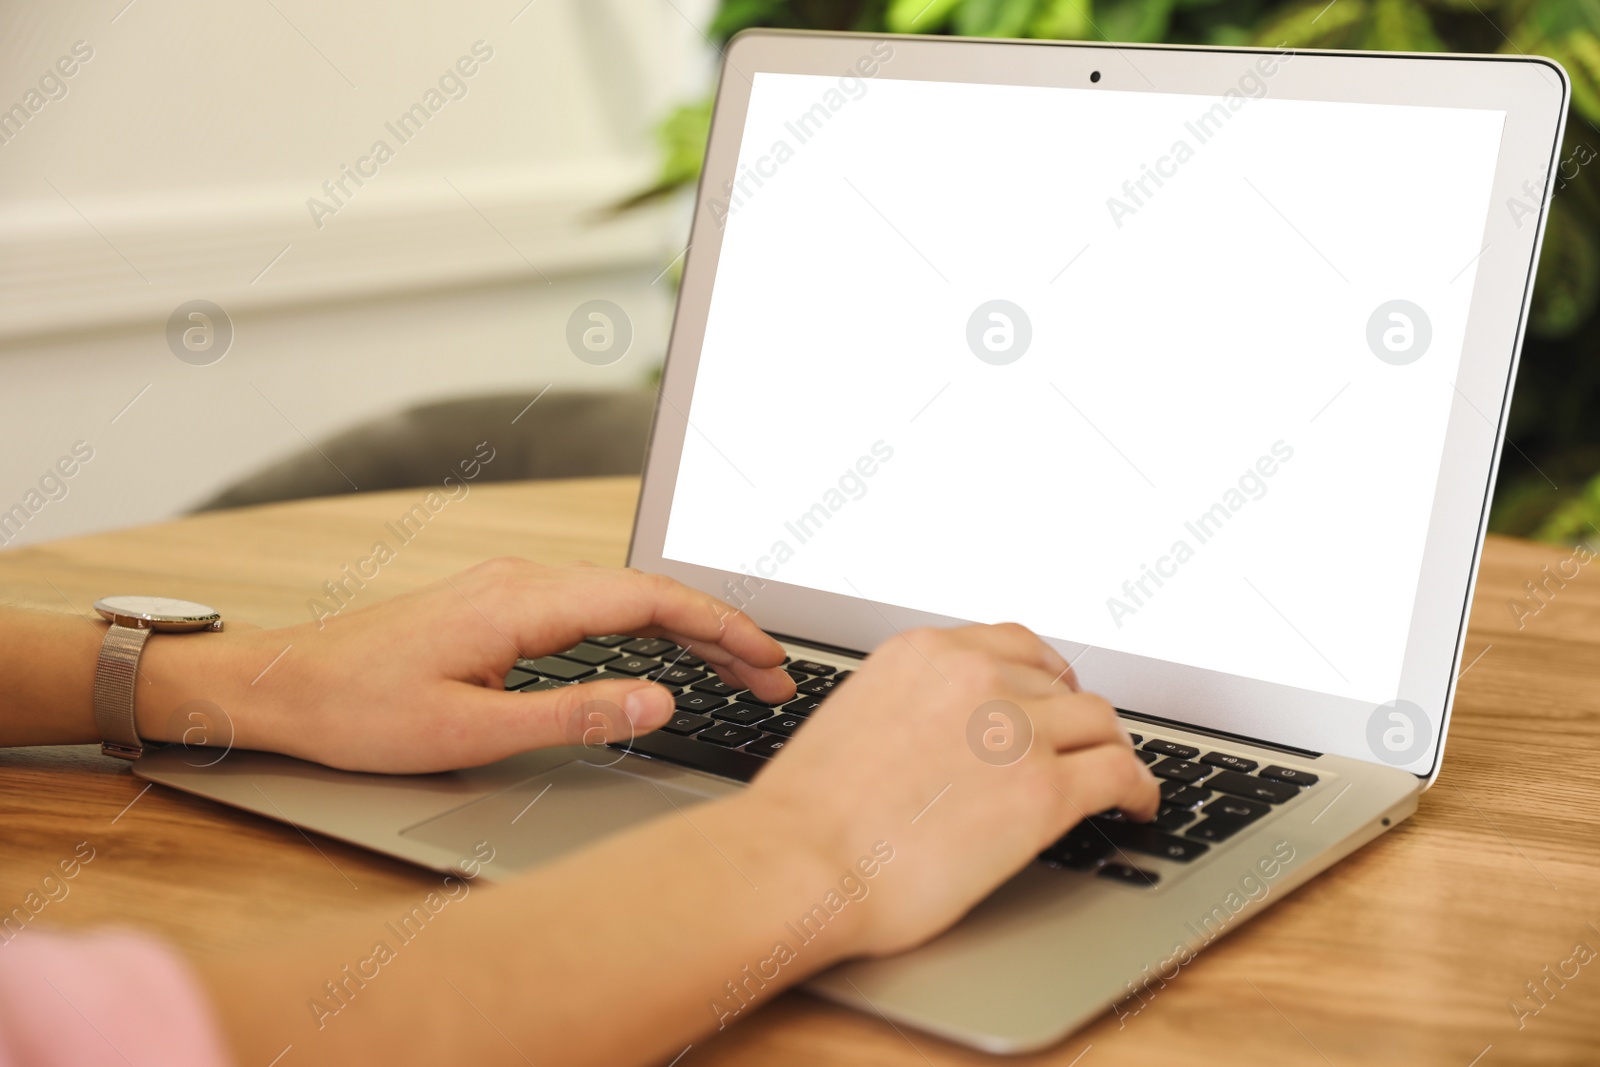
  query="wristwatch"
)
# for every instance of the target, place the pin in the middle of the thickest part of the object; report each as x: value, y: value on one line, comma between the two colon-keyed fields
x: 133, y: 619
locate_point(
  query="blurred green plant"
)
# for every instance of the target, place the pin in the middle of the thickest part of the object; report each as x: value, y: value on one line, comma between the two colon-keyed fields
x: 1549, y: 484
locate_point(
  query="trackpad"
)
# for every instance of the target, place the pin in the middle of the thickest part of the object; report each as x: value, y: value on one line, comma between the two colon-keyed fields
x: 546, y: 816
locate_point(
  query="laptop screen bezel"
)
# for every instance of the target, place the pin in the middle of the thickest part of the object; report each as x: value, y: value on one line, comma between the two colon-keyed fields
x: 1531, y: 91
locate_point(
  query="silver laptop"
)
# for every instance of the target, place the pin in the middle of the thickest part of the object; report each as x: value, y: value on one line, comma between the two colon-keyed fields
x: 1195, y: 361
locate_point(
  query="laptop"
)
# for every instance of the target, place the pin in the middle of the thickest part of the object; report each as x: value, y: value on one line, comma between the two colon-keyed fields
x: 1196, y: 361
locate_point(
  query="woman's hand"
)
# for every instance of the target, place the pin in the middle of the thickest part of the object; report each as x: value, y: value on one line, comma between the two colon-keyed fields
x: 965, y: 751
x: 893, y: 757
x: 414, y: 684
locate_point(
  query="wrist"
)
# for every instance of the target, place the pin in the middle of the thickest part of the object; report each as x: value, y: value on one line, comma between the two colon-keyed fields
x: 823, y: 897
x: 192, y: 689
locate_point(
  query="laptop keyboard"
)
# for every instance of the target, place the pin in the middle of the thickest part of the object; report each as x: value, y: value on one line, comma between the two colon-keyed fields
x: 1207, y: 796
x: 716, y: 727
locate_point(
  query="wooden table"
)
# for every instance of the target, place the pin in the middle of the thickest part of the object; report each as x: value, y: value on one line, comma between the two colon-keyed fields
x: 1416, y: 950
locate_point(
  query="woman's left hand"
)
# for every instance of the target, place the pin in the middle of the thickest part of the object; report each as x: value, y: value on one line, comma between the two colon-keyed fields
x: 414, y: 684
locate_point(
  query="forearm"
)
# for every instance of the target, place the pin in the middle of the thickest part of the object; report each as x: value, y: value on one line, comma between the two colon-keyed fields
x: 47, y: 678
x: 623, y: 953
x: 47, y: 671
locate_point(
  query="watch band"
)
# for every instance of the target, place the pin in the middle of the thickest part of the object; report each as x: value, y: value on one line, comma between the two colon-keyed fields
x: 114, y: 678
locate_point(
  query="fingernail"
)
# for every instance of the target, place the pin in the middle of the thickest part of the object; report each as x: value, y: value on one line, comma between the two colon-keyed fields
x: 647, y: 707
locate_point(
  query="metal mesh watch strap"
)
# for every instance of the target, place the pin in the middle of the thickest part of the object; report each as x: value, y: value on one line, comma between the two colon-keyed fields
x: 113, y: 691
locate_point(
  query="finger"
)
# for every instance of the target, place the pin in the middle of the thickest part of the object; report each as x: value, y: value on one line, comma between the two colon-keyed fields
x: 771, y: 684
x: 1105, y: 776
x: 1015, y: 642
x: 633, y: 602
x: 1070, y: 721
x: 1069, y: 678
x: 494, y: 725
x: 768, y: 683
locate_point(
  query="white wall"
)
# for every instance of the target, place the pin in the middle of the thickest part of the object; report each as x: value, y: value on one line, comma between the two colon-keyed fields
x: 176, y: 164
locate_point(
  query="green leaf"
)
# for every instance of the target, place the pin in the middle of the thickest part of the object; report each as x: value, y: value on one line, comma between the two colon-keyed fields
x: 1400, y: 26
x: 1555, y: 19
x: 1064, y: 20
x: 736, y: 15
x: 1577, y: 521
x: 1134, y: 20
x: 1566, y: 286
x: 918, y: 16
x: 993, y: 18
x: 1314, y: 25
x: 1228, y: 36
x: 1580, y: 53
x: 683, y: 142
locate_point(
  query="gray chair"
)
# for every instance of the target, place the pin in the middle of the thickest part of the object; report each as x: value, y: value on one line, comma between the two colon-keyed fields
x: 563, y: 435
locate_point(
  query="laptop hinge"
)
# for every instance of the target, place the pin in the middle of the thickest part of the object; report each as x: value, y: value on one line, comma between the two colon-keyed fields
x: 1190, y: 727
x: 820, y: 646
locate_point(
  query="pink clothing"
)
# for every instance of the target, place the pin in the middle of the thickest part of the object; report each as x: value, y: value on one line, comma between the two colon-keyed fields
x: 109, y: 998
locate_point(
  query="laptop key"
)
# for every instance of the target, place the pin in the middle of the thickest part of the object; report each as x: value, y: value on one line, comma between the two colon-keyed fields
x: 1137, y: 739
x: 1142, y: 837
x: 1289, y: 774
x: 811, y: 666
x: 593, y: 655
x: 565, y: 670
x: 783, y: 723
x: 686, y: 723
x: 741, y: 713
x: 1235, y: 808
x: 516, y: 678
x: 766, y: 746
x: 1148, y: 757
x: 1171, y: 748
x: 1229, y: 763
x: 728, y: 734
x: 689, y: 751
x: 1122, y: 872
x: 1078, y: 851
x: 610, y: 640
x: 796, y: 676
x: 717, y: 686
x: 698, y: 702
x: 818, y: 686
x: 1182, y: 796
x: 649, y: 646
x: 1243, y: 785
x: 1217, y: 828
x: 679, y: 675
x: 803, y: 706
x: 1171, y: 818
x: 1180, y: 770
x: 633, y: 665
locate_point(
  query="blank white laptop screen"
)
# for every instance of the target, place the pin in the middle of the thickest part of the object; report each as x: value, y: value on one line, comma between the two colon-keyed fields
x: 1156, y: 373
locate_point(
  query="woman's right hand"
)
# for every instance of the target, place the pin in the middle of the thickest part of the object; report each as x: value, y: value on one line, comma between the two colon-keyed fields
x: 967, y: 752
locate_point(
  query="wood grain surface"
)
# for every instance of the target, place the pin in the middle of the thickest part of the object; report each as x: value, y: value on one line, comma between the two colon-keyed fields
x: 1420, y: 949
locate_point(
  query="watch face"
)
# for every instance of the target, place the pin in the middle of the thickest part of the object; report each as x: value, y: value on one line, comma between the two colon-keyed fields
x: 158, y: 610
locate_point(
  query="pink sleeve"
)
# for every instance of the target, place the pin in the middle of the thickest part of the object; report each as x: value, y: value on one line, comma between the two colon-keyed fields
x: 111, y: 998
